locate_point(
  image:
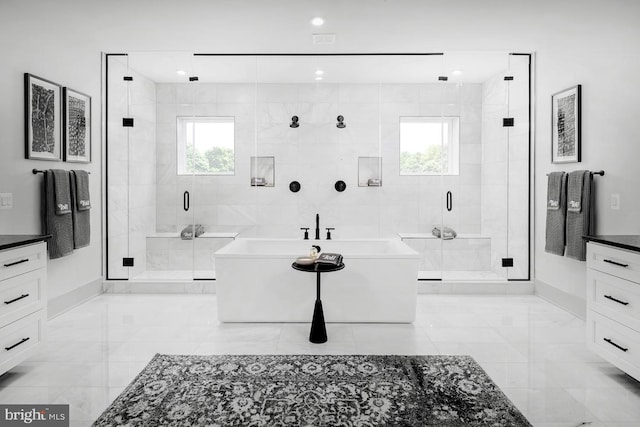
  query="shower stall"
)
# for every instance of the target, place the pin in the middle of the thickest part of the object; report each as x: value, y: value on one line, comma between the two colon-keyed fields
x: 406, y: 146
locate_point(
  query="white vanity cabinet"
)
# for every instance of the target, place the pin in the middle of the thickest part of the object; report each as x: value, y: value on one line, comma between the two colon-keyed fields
x: 23, y: 312
x: 613, y: 303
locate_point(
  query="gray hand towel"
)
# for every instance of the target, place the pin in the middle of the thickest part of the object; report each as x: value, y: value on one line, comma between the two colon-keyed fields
x: 62, y: 193
x: 83, y: 199
x: 80, y: 211
x: 60, y: 227
x: 556, y: 213
x: 580, y: 213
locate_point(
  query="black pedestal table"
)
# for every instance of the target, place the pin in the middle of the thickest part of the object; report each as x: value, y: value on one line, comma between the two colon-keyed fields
x: 318, y: 334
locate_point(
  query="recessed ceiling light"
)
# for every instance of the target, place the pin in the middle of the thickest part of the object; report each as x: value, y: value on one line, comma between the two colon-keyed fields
x: 318, y: 78
x: 319, y: 72
x: 456, y: 72
x: 317, y: 21
x: 181, y: 72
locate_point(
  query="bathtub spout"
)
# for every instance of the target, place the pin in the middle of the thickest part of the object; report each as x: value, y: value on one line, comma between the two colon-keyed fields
x: 317, y: 226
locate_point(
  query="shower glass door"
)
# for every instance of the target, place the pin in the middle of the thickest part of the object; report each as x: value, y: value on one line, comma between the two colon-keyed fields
x: 162, y: 166
x: 475, y: 167
x: 519, y: 151
x: 117, y: 179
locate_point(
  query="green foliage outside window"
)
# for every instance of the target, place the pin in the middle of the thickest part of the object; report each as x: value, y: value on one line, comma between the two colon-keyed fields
x: 214, y: 160
x: 432, y: 160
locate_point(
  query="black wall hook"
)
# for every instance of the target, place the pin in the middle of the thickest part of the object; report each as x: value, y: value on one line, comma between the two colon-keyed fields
x: 294, y: 122
x: 340, y: 123
x: 340, y: 186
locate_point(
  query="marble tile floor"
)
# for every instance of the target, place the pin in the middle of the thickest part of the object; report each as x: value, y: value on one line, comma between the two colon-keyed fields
x: 533, y: 350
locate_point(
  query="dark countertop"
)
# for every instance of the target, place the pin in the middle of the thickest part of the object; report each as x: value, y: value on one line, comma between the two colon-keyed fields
x: 8, y: 241
x: 629, y: 242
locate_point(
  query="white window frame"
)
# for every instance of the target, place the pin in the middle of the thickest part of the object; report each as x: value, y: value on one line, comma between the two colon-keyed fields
x: 453, y: 142
x: 181, y: 152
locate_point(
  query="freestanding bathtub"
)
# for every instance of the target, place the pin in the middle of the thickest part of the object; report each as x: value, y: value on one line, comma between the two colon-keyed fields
x: 255, y: 281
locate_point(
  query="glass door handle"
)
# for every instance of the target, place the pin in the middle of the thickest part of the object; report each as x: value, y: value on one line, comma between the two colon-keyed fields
x: 449, y: 201
x: 185, y: 201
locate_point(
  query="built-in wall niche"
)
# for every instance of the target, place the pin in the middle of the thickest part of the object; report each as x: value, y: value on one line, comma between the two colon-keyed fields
x: 263, y: 171
x: 369, y: 171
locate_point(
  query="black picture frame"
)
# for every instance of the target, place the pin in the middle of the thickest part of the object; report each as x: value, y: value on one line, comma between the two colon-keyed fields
x: 43, y: 123
x: 76, y: 126
x: 566, y: 123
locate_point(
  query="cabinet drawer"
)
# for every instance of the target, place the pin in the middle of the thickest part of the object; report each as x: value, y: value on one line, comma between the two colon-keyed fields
x: 20, y: 339
x: 615, y: 342
x: 22, y: 295
x: 23, y: 259
x: 614, y: 261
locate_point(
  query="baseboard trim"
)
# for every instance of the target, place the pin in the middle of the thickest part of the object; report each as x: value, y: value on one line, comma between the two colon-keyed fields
x: 571, y: 303
x: 65, y: 302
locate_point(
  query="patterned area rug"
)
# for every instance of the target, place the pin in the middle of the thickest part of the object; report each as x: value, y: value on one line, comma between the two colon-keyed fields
x: 310, y: 390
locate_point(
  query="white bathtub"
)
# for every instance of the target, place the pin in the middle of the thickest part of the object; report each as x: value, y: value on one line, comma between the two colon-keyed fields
x: 255, y: 281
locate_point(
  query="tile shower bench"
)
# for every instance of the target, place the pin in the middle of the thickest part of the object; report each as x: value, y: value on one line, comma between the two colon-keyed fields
x: 167, y: 251
x: 465, y: 252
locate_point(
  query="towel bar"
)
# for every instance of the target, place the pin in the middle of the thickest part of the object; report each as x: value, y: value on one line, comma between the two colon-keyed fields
x: 36, y: 171
x: 601, y: 173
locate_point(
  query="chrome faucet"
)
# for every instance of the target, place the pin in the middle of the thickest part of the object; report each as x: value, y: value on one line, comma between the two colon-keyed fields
x: 317, y: 226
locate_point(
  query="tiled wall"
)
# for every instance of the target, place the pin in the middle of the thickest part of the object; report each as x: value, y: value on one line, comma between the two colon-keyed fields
x: 131, y: 166
x: 317, y: 154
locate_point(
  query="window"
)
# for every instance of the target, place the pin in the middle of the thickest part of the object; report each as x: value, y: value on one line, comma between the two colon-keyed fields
x: 429, y: 145
x: 206, y: 146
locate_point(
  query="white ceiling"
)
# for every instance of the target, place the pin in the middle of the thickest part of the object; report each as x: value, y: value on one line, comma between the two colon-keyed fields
x: 474, y: 67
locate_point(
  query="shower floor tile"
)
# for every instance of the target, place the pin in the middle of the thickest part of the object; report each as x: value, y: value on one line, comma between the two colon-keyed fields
x: 174, y: 275
x: 462, y: 276
x: 454, y: 276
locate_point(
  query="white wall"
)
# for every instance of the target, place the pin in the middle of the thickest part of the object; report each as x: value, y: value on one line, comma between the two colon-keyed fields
x: 593, y: 43
x: 610, y: 135
x: 29, y: 43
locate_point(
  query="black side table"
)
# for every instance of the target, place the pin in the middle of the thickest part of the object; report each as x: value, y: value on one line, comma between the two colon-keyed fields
x: 318, y: 334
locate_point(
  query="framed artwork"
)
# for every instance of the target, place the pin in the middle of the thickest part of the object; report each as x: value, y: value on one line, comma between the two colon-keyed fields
x: 43, y: 131
x: 76, y: 126
x: 565, y: 125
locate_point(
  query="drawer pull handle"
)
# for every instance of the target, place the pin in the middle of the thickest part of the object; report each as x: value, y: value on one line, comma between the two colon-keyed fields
x: 616, y: 263
x: 619, y: 347
x: 22, y: 341
x: 11, y: 264
x: 17, y: 299
x: 616, y: 300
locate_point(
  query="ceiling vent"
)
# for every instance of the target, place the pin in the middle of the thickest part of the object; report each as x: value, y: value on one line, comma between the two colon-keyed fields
x: 324, y: 38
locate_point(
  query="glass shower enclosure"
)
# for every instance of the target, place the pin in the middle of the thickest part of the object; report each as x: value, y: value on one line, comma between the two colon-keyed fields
x: 433, y: 149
